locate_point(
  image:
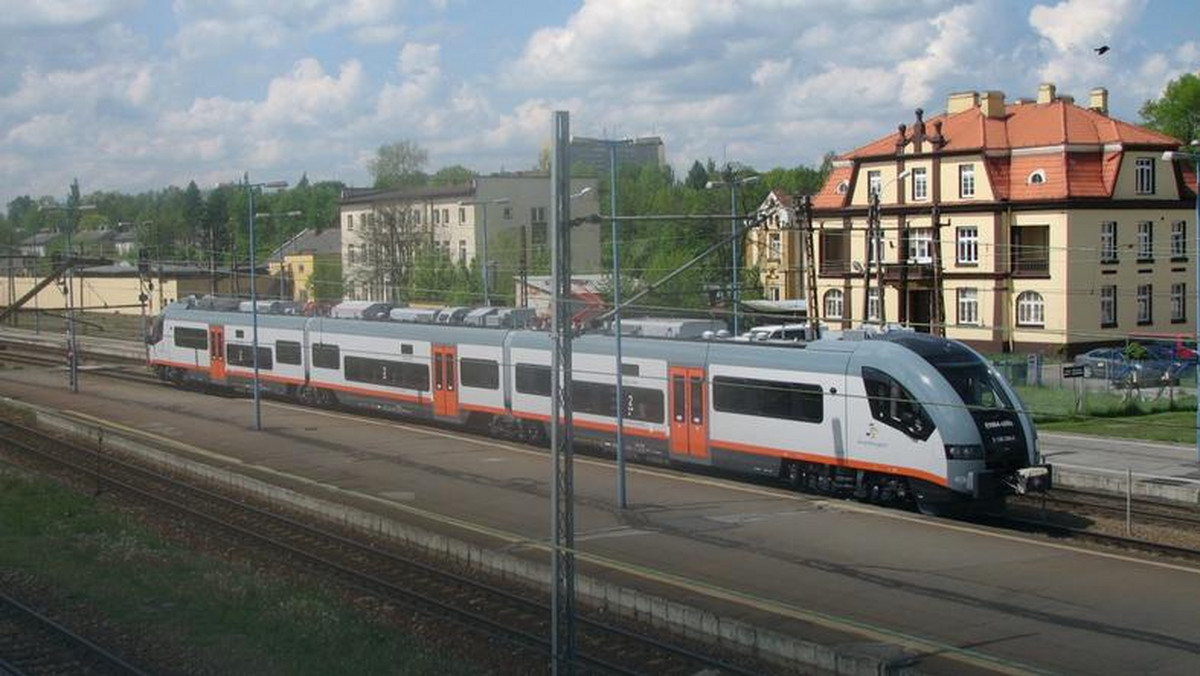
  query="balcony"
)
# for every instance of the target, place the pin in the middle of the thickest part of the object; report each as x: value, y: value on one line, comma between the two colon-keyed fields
x: 1030, y: 252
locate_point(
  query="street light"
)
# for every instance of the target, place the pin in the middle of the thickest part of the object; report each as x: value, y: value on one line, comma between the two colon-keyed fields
x: 1193, y: 154
x: 733, y: 183
x: 487, y: 301
x: 250, y: 188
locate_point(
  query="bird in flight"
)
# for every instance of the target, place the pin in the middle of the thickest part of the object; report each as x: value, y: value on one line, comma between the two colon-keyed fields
x: 1101, y: 50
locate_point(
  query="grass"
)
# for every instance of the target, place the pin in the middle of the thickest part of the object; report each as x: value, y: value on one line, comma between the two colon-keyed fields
x: 239, y: 619
x: 1110, y: 414
x: 1172, y: 427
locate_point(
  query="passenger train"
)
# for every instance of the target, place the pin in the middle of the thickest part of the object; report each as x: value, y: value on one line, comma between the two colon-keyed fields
x: 898, y: 417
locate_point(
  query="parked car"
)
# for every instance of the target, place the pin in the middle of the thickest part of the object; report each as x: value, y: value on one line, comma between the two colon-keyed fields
x: 1111, y: 364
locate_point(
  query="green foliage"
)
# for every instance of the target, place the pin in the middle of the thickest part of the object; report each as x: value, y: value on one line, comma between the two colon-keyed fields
x: 697, y: 177
x: 1136, y: 351
x: 453, y: 175
x: 399, y: 165
x: 326, y: 284
x: 1177, y: 112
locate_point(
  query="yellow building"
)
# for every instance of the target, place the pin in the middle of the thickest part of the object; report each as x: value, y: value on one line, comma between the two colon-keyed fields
x: 1026, y: 225
x: 294, y: 262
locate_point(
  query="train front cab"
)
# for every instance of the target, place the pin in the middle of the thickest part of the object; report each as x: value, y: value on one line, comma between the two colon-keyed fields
x: 988, y: 439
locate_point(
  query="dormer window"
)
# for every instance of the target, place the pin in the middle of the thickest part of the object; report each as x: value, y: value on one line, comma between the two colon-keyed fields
x: 842, y: 187
x: 1038, y: 177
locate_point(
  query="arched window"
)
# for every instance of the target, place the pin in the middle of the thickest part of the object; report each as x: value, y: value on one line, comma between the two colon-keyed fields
x: 833, y: 304
x: 842, y: 187
x: 1037, y: 177
x: 1031, y: 309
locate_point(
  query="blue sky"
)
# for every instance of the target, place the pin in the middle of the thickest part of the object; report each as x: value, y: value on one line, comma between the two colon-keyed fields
x: 132, y: 95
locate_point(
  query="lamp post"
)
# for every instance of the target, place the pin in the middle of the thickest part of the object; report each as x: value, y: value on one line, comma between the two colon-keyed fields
x: 250, y: 188
x: 487, y: 301
x: 733, y: 184
x: 1193, y: 154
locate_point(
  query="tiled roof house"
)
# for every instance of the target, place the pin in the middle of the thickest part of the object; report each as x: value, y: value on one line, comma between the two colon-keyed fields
x: 1041, y: 222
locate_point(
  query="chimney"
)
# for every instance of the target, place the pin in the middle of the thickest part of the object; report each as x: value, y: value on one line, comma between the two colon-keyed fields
x: 1098, y: 101
x: 1045, y: 93
x: 960, y: 101
x: 1066, y: 98
x: 993, y: 104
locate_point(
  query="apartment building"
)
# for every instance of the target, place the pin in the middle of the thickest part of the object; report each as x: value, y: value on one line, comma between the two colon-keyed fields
x: 513, y: 211
x: 1023, y: 225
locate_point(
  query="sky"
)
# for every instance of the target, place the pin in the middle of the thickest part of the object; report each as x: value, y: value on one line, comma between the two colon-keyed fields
x: 134, y: 95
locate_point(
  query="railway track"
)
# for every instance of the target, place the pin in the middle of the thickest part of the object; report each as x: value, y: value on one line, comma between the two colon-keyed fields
x: 31, y: 643
x: 518, y: 618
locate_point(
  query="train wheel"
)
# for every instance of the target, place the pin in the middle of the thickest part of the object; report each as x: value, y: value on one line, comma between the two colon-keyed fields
x: 792, y: 475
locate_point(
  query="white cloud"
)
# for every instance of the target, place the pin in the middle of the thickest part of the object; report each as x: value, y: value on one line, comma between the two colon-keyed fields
x: 61, y: 13
x: 1074, y: 25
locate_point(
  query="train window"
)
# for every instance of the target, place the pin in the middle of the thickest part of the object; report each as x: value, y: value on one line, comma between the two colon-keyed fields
x: 629, y: 369
x: 532, y: 379
x: 677, y: 394
x: 239, y: 334
x: 640, y: 403
x: 769, y: 398
x: 243, y: 355
x: 697, y: 400
x: 389, y: 373
x: 288, y: 352
x: 481, y: 373
x: 893, y: 406
x: 196, y: 339
x: 326, y: 356
x: 406, y: 348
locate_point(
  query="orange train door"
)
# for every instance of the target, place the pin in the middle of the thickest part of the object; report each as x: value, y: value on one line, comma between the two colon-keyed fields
x: 445, y: 380
x: 216, y: 352
x: 689, y: 414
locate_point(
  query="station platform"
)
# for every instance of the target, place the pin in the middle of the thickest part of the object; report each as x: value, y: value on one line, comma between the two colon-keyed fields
x: 924, y: 594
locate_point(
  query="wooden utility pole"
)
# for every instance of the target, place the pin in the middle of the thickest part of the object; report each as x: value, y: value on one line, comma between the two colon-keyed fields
x: 808, y: 260
x: 937, y: 313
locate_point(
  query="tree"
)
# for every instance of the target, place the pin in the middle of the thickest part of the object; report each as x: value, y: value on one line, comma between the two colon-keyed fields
x: 399, y: 165
x: 1177, y: 112
x: 697, y: 177
x: 325, y: 284
x: 193, y: 218
x: 453, y: 175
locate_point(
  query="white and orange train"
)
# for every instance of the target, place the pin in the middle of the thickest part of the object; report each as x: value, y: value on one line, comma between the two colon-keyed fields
x: 896, y: 417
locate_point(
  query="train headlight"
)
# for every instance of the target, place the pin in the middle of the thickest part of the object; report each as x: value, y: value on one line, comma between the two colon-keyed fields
x: 964, y: 452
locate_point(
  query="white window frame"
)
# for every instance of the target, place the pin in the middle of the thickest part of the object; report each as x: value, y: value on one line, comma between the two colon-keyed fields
x: 1179, y: 239
x: 1145, y: 304
x: 1108, y: 306
x: 774, y: 246
x: 1108, y: 242
x: 874, y: 182
x: 967, y: 244
x: 1179, y: 302
x: 775, y: 293
x: 920, y: 245
x: 1031, y: 309
x: 834, y: 304
x: 1144, y: 174
x: 968, y: 306
x: 1145, y: 241
x: 873, y: 313
x: 920, y: 183
x: 966, y: 180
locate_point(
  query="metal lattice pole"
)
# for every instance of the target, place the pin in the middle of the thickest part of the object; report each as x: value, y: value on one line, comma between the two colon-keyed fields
x: 562, y: 632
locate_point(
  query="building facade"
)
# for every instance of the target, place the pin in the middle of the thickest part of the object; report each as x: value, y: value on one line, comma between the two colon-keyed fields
x: 1027, y: 225
x: 296, y: 260
x: 593, y: 154
x: 512, y: 211
x: 774, y: 247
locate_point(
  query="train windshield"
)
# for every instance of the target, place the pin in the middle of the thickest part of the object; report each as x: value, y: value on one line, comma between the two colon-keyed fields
x: 977, y: 385
x: 967, y: 373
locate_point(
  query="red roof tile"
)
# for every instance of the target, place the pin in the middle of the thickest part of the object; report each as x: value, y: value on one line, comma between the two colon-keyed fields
x: 1082, y: 172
